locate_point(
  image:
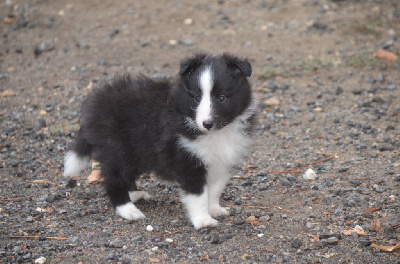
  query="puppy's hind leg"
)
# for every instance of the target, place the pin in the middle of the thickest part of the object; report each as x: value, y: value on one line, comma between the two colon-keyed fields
x: 118, y: 191
x: 136, y: 195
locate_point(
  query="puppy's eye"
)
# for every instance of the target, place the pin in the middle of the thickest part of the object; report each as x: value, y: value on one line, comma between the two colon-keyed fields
x: 197, y: 98
x: 222, y: 98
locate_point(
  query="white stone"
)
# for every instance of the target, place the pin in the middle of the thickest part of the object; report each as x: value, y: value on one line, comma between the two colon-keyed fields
x: 40, y: 260
x: 309, y: 175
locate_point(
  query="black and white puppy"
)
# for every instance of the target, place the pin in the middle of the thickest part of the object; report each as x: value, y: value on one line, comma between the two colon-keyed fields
x: 191, y: 131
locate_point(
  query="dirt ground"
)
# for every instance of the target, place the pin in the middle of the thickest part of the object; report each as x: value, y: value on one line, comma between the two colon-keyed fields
x: 326, y: 104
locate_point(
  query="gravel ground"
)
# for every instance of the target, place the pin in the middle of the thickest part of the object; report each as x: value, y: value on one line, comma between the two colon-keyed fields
x: 326, y: 104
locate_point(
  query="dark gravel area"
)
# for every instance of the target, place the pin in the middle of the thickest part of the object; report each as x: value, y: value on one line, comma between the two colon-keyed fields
x: 326, y: 104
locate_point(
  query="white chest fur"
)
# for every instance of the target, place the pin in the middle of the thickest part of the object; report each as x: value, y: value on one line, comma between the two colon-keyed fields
x: 224, y: 147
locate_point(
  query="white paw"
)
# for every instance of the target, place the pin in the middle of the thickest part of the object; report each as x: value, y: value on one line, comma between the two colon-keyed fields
x: 129, y: 211
x: 137, y: 195
x: 204, y: 221
x: 217, y: 211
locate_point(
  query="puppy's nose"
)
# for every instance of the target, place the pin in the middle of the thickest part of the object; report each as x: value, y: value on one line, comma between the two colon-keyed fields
x: 208, y: 124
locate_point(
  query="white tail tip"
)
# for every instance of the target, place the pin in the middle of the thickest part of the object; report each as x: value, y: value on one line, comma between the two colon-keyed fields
x: 73, y: 164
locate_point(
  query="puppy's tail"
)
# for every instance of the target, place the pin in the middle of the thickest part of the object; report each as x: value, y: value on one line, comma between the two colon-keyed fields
x: 78, y: 157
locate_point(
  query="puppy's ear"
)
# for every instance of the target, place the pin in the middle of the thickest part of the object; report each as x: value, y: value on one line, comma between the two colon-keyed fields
x: 191, y: 64
x: 241, y: 65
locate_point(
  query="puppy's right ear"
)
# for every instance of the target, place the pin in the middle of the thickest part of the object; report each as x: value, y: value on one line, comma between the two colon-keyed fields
x: 189, y: 65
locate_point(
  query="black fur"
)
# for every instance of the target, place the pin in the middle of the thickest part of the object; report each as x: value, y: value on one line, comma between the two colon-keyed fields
x: 133, y: 126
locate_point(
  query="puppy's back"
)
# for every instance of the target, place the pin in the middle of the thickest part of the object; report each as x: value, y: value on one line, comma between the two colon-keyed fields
x: 124, y: 109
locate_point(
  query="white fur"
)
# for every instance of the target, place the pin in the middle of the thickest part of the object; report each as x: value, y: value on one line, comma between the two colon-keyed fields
x: 137, y: 195
x: 203, y: 112
x: 129, y: 211
x: 73, y: 164
x: 219, y: 150
x: 197, y: 209
x: 224, y: 147
x: 217, y: 178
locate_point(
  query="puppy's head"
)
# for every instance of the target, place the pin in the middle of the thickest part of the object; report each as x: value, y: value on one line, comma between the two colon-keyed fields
x: 212, y: 90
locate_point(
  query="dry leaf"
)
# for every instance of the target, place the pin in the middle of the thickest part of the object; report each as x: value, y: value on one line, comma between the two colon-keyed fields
x: 94, y: 177
x: 38, y: 181
x: 8, y: 93
x: 154, y: 260
x: 357, y: 229
x: 383, y: 54
x: 373, y: 209
x: 252, y: 220
x: 316, y: 238
x: 376, y: 226
x: 273, y: 101
x: 386, y: 248
x: 204, y: 257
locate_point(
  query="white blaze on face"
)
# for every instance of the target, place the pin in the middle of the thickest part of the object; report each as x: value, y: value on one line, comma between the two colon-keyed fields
x: 203, y: 112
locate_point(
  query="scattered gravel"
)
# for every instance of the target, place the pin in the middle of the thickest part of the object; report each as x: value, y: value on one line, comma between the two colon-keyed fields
x: 325, y: 104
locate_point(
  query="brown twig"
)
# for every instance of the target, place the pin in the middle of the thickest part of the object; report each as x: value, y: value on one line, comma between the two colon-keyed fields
x: 56, y: 238
x: 14, y: 199
x: 261, y: 89
x: 284, y: 171
x: 267, y: 250
x: 174, y: 232
x: 269, y: 207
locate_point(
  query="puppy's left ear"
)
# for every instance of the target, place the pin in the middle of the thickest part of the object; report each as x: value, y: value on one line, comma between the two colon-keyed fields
x: 191, y: 64
x: 243, y: 65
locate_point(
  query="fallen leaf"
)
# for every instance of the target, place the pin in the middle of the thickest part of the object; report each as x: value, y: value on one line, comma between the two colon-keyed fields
x: 373, y: 209
x: 252, y: 220
x: 38, y: 181
x: 9, y: 19
x: 273, y: 101
x: 94, y: 177
x: 154, y: 260
x: 357, y: 229
x: 43, y: 210
x: 383, y: 54
x: 376, y: 226
x: 8, y: 93
x: 204, y: 257
x: 316, y: 238
x: 386, y: 248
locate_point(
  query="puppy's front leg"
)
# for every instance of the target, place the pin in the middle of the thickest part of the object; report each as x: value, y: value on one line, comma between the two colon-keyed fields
x: 217, y: 178
x: 197, y: 209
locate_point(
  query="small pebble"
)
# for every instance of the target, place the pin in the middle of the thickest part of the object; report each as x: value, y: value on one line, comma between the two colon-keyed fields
x: 46, y: 45
x: 186, y: 42
x: 149, y: 228
x: 237, y: 210
x: 188, y: 21
x: 154, y: 249
x: 332, y: 241
x: 296, y: 243
x: 309, y: 174
x: 40, y: 260
x: 215, y: 239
